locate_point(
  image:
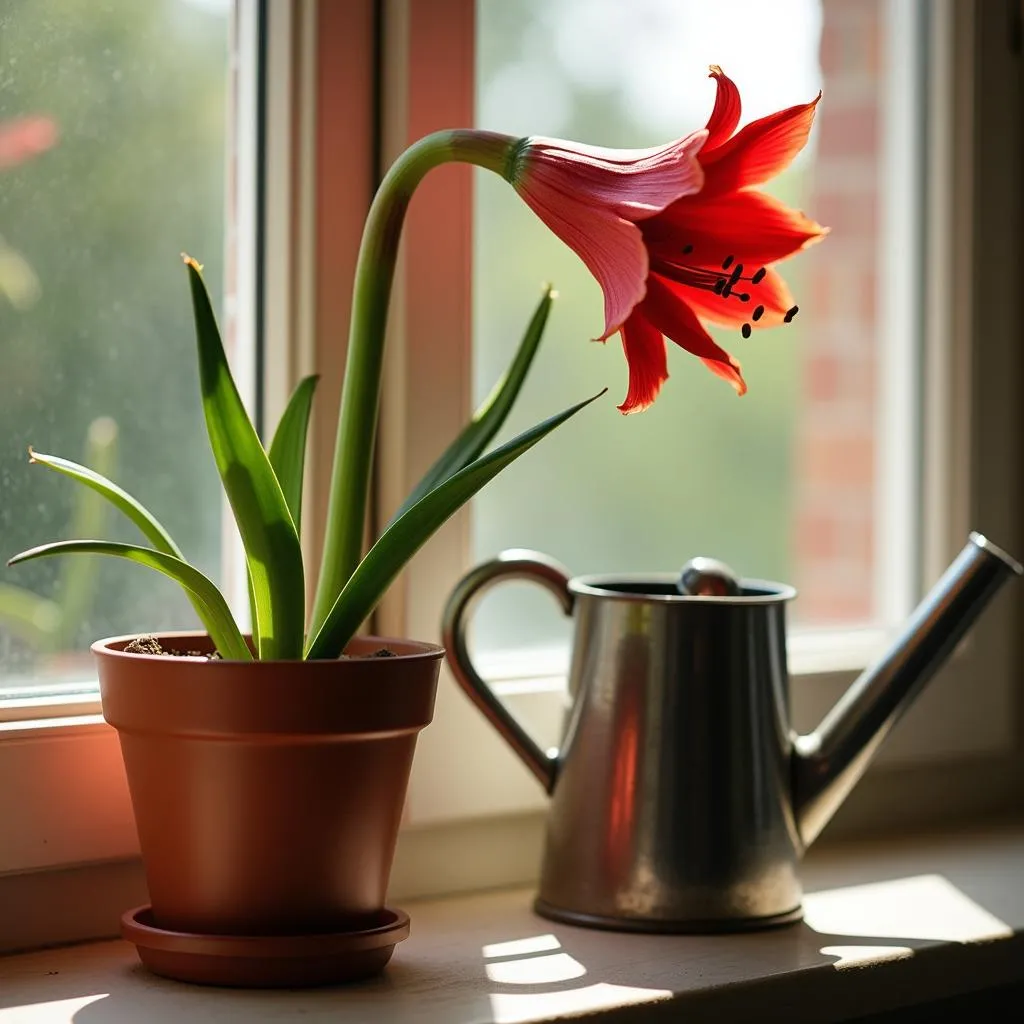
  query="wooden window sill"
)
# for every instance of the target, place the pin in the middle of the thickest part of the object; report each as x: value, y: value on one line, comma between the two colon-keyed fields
x: 890, y: 924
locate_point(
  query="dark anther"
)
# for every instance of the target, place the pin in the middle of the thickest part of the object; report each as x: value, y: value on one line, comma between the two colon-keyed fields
x: 727, y: 290
x: 790, y: 313
x: 758, y: 276
x: 743, y: 296
x: 758, y: 313
x: 687, y: 249
x: 737, y: 272
x: 727, y: 262
x: 745, y: 330
x: 719, y: 285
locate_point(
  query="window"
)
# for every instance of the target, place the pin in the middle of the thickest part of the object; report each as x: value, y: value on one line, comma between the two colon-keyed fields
x: 883, y: 364
x: 845, y: 470
x: 122, y: 112
x: 793, y: 482
x: 122, y: 119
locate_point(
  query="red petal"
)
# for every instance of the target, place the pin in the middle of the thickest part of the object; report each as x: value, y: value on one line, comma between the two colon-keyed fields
x: 612, y: 248
x: 771, y: 292
x: 633, y: 183
x: 666, y: 308
x: 758, y: 151
x: 751, y: 227
x: 648, y: 365
x: 726, y: 114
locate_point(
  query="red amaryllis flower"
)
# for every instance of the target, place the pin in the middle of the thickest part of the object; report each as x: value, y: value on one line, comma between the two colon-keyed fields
x: 593, y: 199
x: 704, y: 254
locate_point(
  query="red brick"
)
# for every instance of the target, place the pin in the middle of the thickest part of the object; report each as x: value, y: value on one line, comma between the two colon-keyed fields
x: 851, y: 37
x: 824, y: 605
x: 819, y: 537
x: 850, y: 132
x: 850, y: 217
x: 843, y: 462
x: 823, y: 383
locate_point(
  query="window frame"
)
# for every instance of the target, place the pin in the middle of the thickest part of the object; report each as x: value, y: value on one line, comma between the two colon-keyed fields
x: 71, y: 806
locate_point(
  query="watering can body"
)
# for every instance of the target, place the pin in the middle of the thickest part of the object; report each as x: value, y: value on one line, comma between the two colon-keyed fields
x: 682, y: 800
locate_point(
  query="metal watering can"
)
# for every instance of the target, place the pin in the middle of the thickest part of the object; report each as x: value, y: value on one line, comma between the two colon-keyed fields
x: 682, y: 800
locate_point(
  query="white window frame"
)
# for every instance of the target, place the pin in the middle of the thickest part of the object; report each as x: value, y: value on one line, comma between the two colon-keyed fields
x: 70, y: 805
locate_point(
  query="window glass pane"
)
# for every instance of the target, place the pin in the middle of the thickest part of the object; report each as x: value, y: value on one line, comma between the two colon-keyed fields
x: 782, y: 483
x: 113, y: 122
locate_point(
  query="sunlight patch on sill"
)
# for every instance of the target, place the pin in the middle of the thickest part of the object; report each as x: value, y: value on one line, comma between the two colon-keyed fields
x: 46, y: 1013
x: 920, y: 908
x: 864, y: 956
x: 521, y: 947
x: 538, y: 970
x: 519, y: 1008
x: 534, y: 961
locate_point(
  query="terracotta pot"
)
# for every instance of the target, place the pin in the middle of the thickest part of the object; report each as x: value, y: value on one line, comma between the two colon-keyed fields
x: 268, y: 795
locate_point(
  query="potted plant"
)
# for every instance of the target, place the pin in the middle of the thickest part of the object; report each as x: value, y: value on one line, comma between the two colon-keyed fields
x: 268, y: 772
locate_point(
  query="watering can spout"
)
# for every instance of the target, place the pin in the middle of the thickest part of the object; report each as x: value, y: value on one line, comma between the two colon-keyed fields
x: 829, y: 761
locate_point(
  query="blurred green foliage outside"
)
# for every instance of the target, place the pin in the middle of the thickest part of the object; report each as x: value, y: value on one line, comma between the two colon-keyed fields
x: 138, y: 94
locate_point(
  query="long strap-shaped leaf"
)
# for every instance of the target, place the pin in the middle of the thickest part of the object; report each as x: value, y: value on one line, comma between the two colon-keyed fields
x: 131, y: 507
x: 287, y: 452
x: 400, y: 541
x: 75, y: 591
x: 147, y: 523
x: 215, y: 614
x: 488, y: 419
x: 271, y: 543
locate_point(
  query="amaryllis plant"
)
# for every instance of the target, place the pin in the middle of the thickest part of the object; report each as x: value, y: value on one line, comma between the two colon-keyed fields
x: 674, y: 235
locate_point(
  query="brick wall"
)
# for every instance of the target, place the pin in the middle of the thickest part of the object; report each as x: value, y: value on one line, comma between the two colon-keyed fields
x: 835, y: 455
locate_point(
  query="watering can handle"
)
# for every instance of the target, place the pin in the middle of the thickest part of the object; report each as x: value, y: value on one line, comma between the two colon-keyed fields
x: 513, y: 564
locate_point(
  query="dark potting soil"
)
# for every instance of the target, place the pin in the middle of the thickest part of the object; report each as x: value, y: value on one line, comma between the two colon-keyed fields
x: 151, y: 645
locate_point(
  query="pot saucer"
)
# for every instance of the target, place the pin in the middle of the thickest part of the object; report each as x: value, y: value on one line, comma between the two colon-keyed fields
x: 271, y: 961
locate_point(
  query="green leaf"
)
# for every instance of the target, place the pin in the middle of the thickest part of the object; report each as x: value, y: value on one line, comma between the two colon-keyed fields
x: 131, y: 507
x: 287, y: 451
x: 147, y: 523
x: 213, y: 609
x: 271, y: 543
x: 35, y: 619
x: 400, y: 541
x: 488, y: 419
x: 76, y: 587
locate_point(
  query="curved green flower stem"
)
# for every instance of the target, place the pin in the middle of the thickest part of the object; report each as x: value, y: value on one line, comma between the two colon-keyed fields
x: 360, y: 396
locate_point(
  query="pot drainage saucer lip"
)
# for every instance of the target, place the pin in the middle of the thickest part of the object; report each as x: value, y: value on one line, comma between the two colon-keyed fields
x: 264, y: 961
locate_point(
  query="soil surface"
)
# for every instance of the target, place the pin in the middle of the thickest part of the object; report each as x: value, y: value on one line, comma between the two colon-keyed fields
x: 151, y: 645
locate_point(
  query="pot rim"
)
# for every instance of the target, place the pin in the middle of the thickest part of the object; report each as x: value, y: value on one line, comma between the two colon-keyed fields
x: 659, y: 588
x: 104, y: 647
